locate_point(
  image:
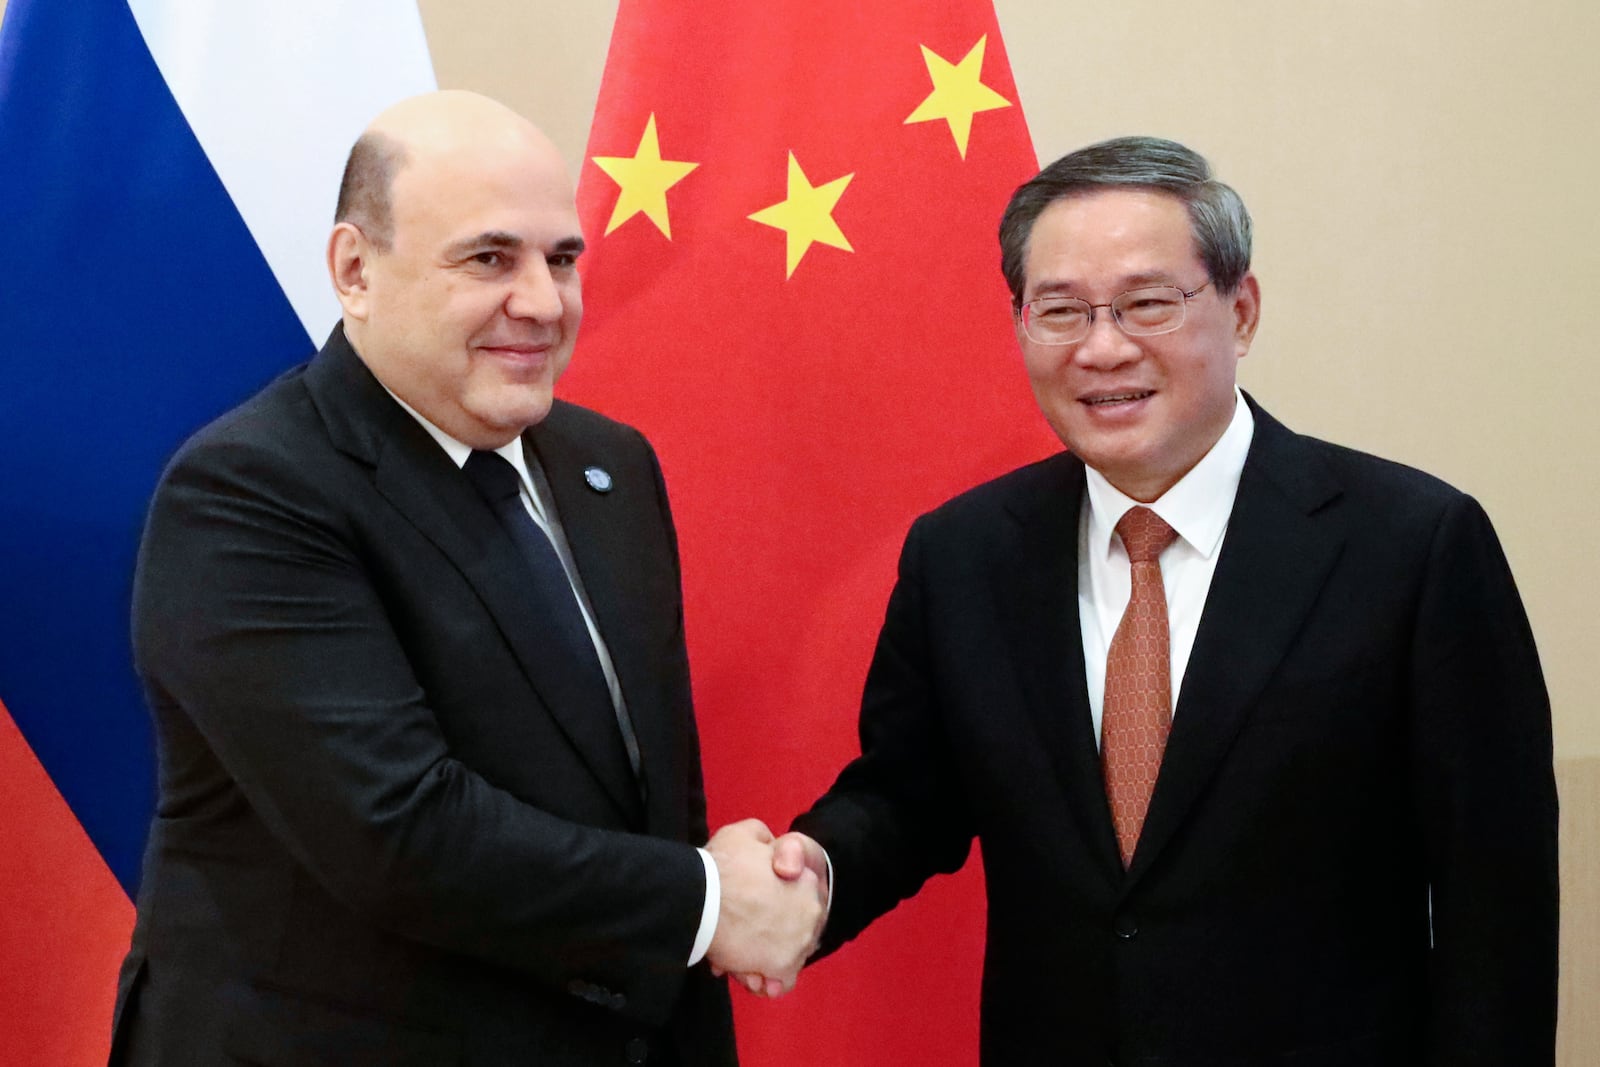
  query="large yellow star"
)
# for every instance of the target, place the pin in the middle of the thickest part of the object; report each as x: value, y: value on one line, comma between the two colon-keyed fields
x: 645, y: 178
x: 806, y: 215
x: 958, y: 93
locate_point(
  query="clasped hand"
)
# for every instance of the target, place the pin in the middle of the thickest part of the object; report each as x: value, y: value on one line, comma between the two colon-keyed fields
x: 774, y: 902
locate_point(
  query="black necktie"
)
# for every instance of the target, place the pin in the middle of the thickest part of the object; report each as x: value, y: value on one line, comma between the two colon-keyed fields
x: 497, y: 482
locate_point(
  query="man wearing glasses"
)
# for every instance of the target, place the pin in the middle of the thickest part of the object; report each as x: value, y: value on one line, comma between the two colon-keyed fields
x: 1251, y: 727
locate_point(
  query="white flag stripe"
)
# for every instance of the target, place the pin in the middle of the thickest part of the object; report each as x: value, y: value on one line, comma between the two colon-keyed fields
x: 276, y: 91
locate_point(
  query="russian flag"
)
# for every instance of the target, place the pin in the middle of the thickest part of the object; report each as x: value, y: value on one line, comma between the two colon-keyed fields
x: 168, y: 170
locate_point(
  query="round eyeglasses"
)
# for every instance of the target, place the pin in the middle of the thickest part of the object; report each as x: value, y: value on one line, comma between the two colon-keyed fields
x: 1065, y: 320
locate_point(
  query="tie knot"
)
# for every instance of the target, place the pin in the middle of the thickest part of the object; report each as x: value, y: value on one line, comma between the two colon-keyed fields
x: 1144, y: 534
x: 492, y: 475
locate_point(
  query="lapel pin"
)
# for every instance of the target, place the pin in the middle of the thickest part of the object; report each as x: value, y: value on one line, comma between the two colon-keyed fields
x: 599, y: 479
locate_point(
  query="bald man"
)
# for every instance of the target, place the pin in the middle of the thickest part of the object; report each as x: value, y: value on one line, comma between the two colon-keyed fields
x: 411, y: 632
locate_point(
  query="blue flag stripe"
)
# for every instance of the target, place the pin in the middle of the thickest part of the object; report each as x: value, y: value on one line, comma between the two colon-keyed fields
x: 135, y: 307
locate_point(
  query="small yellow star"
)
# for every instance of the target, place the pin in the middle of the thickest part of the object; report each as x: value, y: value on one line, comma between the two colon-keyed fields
x: 645, y: 178
x: 958, y: 93
x: 806, y: 215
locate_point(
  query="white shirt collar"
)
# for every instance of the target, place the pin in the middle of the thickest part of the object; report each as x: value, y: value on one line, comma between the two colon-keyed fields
x: 458, y: 451
x: 1197, y: 506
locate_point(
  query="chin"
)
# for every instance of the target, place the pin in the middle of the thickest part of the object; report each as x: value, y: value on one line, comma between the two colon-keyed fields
x: 514, y: 425
x: 1119, y: 465
x: 521, y: 405
x: 1101, y: 450
x: 533, y: 413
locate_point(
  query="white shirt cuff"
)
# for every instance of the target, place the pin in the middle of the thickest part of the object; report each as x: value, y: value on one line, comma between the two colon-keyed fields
x: 827, y: 909
x: 710, y: 912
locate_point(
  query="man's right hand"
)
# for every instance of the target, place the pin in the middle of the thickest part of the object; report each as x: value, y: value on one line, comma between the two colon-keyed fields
x: 773, y: 907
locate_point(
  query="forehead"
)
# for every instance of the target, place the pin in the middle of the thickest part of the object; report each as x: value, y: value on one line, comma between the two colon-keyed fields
x: 512, y: 188
x: 1110, y: 236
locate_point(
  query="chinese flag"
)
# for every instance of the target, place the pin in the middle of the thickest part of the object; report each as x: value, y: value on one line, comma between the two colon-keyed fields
x: 794, y: 291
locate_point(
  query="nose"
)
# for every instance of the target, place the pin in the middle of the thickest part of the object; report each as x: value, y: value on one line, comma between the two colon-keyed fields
x: 1105, y: 346
x: 534, y: 293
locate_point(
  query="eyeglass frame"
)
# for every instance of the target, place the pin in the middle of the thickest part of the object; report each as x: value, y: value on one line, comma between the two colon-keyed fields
x: 1021, y: 311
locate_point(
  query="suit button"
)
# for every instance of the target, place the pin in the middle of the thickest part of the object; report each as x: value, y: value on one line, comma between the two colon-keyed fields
x: 1126, y: 927
x: 619, y: 1001
x: 637, y: 1050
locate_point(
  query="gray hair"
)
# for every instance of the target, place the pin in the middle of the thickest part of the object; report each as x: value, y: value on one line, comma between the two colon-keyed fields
x: 366, y: 192
x: 1217, y: 217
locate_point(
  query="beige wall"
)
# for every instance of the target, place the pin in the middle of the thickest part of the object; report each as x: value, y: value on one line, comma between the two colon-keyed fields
x: 1578, y: 1037
x: 1428, y: 248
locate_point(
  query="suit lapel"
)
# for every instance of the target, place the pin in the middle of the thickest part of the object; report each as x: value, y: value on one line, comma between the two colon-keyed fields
x: 419, y: 480
x: 601, y: 534
x: 1038, y: 573
x: 1275, y: 558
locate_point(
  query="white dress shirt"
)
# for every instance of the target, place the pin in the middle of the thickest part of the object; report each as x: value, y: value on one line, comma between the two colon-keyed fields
x: 1197, y: 507
x: 537, y: 499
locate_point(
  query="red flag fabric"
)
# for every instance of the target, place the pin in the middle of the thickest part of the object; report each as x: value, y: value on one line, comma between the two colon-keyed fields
x: 793, y: 288
x: 65, y: 924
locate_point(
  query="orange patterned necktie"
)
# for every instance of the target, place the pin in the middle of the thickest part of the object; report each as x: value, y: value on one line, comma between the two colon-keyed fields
x: 1138, y: 704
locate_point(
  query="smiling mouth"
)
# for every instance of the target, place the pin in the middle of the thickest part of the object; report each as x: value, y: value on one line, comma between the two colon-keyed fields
x: 521, y: 348
x: 1118, y: 398
x: 520, y: 355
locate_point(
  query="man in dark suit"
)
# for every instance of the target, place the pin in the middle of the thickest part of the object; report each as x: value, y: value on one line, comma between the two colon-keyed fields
x: 1250, y: 727
x: 412, y: 635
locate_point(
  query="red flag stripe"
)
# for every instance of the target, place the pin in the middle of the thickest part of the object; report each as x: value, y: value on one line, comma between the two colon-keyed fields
x: 65, y: 925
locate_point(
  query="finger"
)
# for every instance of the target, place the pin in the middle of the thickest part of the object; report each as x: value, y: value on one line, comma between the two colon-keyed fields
x: 751, y: 828
x: 776, y: 988
x: 754, y: 983
x: 758, y: 829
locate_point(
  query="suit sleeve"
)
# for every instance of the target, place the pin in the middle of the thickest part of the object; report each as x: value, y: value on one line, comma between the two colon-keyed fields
x: 677, y: 667
x: 1486, y: 801
x: 896, y: 814
x: 257, y: 624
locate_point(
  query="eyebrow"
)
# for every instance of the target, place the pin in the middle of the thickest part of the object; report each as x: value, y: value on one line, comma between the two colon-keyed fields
x: 1131, y: 281
x: 489, y: 239
x: 510, y: 242
x: 1157, y: 277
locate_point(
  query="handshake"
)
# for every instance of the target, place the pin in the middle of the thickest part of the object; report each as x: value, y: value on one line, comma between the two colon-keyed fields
x: 774, y: 903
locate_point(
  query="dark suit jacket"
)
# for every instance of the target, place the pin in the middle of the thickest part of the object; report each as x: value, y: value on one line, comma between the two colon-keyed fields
x: 1350, y: 855
x: 385, y: 835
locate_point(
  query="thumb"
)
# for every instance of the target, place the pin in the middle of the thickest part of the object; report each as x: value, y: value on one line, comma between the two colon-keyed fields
x: 789, y: 857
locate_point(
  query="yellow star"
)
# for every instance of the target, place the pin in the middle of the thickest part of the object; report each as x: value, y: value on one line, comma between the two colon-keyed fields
x: 806, y: 215
x: 645, y: 178
x: 958, y: 93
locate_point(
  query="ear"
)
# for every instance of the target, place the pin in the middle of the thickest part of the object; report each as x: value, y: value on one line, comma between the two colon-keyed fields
x: 349, y: 255
x: 1246, y: 308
